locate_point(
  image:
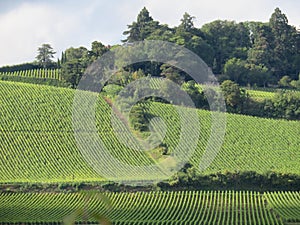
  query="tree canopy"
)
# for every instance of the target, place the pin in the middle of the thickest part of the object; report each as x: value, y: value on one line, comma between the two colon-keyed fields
x: 45, y: 55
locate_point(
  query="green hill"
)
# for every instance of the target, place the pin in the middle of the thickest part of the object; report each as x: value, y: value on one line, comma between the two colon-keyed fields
x: 38, y: 143
x: 183, y: 207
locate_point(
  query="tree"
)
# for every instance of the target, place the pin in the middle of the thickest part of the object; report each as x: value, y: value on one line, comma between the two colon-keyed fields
x: 228, y: 40
x: 142, y: 28
x: 192, y: 38
x: 98, y: 49
x: 258, y: 75
x: 284, y: 82
x: 172, y: 73
x: 286, y: 104
x: 285, y: 43
x: 233, y: 95
x: 45, y: 55
x: 187, y: 23
x: 245, y: 73
x: 76, y: 61
x: 262, y: 51
x: 196, y: 93
x: 235, y: 70
x: 296, y: 83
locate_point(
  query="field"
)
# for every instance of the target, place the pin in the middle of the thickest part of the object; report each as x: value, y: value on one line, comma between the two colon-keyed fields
x: 38, y: 144
x: 36, y: 73
x: 260, y: 94
x: 188, y: 207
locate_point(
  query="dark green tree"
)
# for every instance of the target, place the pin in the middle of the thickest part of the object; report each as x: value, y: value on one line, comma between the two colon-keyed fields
x: 228, y: 40
x: 285, y: 104
x: 98, y: 49
x: 285, y: 43
x: 187, y: 24
x: 284, y: 82
x: 45, y: 55
x: 234, y: 97
x: 262, y: 51
x: 192, y: 38
x: 142, y: 28
x: 196, y: 93
x: 171, y: 73
x: 76, y: 62
x: 235, y: 69
x: 258, y: 75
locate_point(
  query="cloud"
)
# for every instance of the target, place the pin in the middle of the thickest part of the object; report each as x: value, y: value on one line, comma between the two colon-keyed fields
x: 26, y: 24
x: 26, y: 27
x: 62, y: 24
x: 170, y: 12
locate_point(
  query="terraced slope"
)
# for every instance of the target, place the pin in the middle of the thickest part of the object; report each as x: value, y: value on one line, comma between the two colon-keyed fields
x: 190, y: 207
x: 38, y: 144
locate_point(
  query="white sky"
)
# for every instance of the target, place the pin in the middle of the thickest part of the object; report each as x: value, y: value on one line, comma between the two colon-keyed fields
x: 27, y: 24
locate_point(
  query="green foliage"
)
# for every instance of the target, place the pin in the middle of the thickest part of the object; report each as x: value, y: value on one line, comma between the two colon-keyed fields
x: 112, y: 90
x: 285, y: 104
x: 234, y: 97
x: 45, y: 55
x: 284, y: 82
x: 142, y: 28
x: 171, y: 73
x: 285, y: 43
x: 138, y: 118
x: 98, y: 49
x: 295, y: 83
x: 235, y: 69
x: 228, y: 40
x: 245, y: 73
x: 262, y: 45
x: 196, y: 93
x: 18, y: 67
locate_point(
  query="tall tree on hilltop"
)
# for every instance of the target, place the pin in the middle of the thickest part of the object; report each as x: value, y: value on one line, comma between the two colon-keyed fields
x: 187, y: 23
x: 77, y: 60
x: 45, y: 55
x: 98, y: 49
x: 228, y: 39
x: 142, y: 28
x: 285, y: 43
x: 262, y: 50
x: 192, y: 38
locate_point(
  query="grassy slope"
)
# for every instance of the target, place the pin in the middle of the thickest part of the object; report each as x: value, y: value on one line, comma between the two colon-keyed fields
x: 38, y: 144
x: 192, y: 207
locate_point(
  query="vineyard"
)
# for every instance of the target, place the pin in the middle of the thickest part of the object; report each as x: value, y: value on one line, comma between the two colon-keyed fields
x: 38, y: 144
x: 247, y: 142
x: 36, y: 73
x: 184, y: 207
x: 261, y: 94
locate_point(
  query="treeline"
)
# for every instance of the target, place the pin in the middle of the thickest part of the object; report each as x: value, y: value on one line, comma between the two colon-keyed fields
x: 285, y: 104
x: 24, y: 66
x: 248, y: 53
x: 186, y: 179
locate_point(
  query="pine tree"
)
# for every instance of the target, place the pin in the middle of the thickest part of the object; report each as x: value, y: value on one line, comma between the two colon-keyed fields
x: 45, y: 55
x: 142, y: 28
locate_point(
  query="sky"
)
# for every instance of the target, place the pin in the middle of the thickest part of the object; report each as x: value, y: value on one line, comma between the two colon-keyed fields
x: 27, y: 24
